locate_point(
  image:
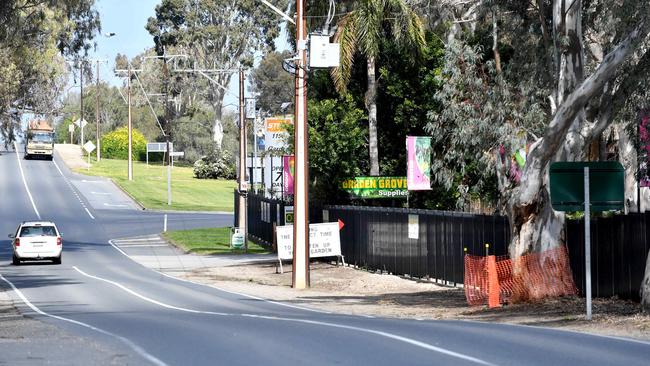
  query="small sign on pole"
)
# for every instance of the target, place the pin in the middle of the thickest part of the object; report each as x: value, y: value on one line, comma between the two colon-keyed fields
x: 89, y: 147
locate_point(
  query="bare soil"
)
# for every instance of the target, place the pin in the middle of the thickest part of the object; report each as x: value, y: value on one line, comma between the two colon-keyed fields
x: 348, y: 290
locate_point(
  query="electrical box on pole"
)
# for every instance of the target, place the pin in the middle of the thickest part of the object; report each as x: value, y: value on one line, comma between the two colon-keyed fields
x: 322, y: 53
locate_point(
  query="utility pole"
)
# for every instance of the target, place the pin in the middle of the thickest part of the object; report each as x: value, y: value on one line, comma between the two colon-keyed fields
x: 300, y: 274
x: 97, y: 112
x: 242, y: 218
x: 128, y: 91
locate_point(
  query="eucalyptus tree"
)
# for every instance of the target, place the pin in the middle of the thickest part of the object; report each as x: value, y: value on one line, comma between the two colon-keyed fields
x: 34, y: 35
x: 571, y: 70
x: 215, y: 34
x: 361, y: 31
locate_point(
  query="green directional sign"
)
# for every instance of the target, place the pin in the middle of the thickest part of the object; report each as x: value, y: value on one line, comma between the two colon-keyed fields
x: 606, y: 186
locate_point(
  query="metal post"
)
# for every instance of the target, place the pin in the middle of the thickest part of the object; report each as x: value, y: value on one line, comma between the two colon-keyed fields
x: 97, y: 113
x: 638, y: 167
x: 169, y: 175
x: 81, y: 101
x: 128, y: 89
x: 255, y: 125
x: 242, y: 161
x: 300, y: 274
x: 587, y: 244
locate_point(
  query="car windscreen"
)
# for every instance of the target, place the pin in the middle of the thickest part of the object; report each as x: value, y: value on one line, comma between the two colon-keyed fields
x: 27, y: 231
x: 41, y: 137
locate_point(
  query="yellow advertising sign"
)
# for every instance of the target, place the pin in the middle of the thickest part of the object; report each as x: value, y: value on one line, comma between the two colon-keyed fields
x: 276, y: 124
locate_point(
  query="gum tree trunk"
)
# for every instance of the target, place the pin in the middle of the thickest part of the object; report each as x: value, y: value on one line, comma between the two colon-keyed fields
x: 371, y: 104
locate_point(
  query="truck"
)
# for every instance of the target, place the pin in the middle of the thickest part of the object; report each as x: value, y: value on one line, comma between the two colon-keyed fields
x: 39, y: 139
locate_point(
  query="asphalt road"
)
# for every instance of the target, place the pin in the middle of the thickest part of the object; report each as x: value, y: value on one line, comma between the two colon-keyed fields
x: 106, y: 309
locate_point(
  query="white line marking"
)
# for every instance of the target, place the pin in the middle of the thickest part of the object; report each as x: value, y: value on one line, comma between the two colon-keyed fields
x: 67, y: 181
x: 142, y: 245
x: 22, y: 173
x: 101, y: 193
x: 155, y: 238
x: 112, y: 243
x: 89, y: 214
x: 112, y: 205
x: 57, y: 168
x: 396, y: 337
x: 147, y: 299
x: 132, y: 345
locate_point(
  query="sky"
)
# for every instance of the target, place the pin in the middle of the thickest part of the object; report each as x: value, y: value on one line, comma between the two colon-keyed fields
x: 127, y: 19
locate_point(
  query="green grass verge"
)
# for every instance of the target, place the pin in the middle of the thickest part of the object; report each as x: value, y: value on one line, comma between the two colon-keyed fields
x: 208, y: 241
x: 149, y: 186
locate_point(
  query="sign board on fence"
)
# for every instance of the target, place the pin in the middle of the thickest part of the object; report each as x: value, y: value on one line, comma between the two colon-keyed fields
x: 288, y: 215
x: 324, y: 240
x: 414, y: 227
x: 376, y: 187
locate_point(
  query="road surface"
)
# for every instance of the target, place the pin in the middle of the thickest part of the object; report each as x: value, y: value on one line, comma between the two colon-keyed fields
x: 100, y: 307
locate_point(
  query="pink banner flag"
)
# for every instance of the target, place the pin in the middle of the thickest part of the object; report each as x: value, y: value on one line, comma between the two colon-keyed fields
x: 418, y: 175
x: 288, y: 171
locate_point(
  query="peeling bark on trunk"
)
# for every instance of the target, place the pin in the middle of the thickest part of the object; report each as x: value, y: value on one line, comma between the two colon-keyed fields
x: 535, y: 225
x: 371, y: 105
x: 644, y: 292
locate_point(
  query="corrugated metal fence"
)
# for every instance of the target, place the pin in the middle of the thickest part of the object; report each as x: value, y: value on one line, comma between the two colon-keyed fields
x: 377, y: 238
x: 619, y: 248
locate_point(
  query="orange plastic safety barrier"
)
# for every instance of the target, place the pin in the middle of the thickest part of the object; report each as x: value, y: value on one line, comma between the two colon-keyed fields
x: 497, y: 280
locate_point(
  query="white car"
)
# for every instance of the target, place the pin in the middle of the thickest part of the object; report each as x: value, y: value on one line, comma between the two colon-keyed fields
x: 37, y: 240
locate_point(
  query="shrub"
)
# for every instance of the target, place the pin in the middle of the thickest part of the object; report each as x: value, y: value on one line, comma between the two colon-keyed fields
x: 213, y: 166
x: 115, y: 145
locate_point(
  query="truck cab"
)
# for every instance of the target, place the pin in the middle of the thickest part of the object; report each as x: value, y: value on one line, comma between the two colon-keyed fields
x: 39, y: 140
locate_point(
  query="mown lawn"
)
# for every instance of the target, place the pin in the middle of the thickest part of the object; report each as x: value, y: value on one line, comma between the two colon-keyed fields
x: 208, y: 241
x: 149, y: 186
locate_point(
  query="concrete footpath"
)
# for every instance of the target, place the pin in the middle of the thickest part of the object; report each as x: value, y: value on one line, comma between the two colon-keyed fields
x: 155, y: 252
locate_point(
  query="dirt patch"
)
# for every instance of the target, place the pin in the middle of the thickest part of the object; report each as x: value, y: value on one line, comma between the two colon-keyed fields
x: 348, y: 290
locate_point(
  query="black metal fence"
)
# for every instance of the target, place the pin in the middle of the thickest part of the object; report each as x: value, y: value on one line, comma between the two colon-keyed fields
x: 263, y: 213
x: 378, y: 238
x: 619, y: 248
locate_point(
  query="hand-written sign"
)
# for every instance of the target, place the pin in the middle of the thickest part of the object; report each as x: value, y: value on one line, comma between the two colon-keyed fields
x: 324, y: 240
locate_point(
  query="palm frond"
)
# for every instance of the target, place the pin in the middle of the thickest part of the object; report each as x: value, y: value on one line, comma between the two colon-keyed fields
x: 346, y: 35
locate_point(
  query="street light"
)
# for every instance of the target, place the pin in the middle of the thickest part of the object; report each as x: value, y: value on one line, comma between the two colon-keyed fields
x: 97, y: 132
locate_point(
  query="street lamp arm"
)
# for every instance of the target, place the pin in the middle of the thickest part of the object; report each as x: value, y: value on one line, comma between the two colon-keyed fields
x: 279, y: 12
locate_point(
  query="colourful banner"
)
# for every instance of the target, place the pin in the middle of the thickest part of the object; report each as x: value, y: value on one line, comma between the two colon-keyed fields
x: 418, y: 174
x: 375, y: 187
x: 644, y: 153
x: 288, y: 171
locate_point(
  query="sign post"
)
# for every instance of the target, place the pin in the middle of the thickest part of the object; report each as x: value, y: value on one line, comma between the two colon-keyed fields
x: 89, y: 147
x: 602, y: 189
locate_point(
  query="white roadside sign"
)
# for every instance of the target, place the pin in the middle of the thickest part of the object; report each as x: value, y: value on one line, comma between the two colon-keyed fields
x: 89, y: 147
x: 80, y: 122
x: 324, y: 241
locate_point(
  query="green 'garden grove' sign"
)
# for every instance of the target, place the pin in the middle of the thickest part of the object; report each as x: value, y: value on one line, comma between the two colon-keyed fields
x: 375, y: 187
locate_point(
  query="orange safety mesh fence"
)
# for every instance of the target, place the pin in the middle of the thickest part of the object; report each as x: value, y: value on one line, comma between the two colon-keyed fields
x: 529, y: 277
